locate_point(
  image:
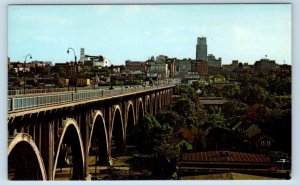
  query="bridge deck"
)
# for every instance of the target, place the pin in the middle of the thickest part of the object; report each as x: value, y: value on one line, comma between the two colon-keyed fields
x: 22, y: 105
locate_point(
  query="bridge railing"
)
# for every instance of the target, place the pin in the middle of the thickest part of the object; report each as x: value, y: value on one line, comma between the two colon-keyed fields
x: 32, y: 101
x: 18, y: 103
x: 20, y: 92
x: 37, y: 91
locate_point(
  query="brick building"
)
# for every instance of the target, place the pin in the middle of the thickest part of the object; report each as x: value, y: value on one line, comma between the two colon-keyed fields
x: 200, y: 66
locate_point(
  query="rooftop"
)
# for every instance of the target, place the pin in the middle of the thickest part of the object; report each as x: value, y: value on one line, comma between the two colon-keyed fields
x: 225, y: 156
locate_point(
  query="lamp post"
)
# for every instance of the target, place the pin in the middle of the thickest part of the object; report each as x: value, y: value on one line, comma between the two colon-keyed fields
x: 24, y: 71
x: 68, y: 51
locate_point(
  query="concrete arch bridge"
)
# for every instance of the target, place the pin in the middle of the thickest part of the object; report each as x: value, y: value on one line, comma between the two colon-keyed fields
x: 50, y: 131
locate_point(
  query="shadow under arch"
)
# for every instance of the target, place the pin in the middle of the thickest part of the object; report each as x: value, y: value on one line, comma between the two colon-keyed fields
x: 155, y: 105
x: 24, y: 159
x: 152, y: 102
x: 148, y: 105
x: 70, y: 143
x: 117, y: 133
x: 160, y: 105
x: 130, y: 124
x: 140, y: 111
x: 164, y: 98
x: 98, y: 142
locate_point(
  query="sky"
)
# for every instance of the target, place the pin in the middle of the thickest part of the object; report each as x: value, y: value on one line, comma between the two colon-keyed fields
x: 244, y: 32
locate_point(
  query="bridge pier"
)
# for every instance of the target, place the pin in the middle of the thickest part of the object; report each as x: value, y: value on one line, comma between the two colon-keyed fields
x: 108, y: 115
x: 85, y: 122
x: 47, y: 146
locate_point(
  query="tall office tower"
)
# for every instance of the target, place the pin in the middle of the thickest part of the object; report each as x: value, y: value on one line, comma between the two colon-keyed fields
x: 201, y: 49
x: 82, y: 55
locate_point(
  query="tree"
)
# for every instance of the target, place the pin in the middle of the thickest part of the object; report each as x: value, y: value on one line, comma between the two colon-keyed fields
x: 86, y: 72
x: 43, y: 71
x: 187, y: 110
x: 12, y: 72
x: 60, y: 84
x: 103, y: 72
x: 60, y: 72
x: 169, y: 117
x: 215, y: 117
x: 188, y: 91
x: 230, y: 91
x: 151, y: 134
x: 252, y: 94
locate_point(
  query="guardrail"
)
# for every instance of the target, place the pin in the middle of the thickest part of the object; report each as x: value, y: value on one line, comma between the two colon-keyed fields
x: 33, y: 101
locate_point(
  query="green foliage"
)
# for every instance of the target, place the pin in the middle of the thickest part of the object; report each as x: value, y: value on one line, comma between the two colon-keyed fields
x: 60, y: 84
x: 43, y: 71
x: 263, y: 100
x: 86, y: 72
x: 231, y: 91
x: 186, y: 90
x: 191, y: 112
x: 185, y: 107
x: 101, y: 72
x: 215, y: 117
x: 151, y: 134
x: 59, y: 72
x: 219, y: 76
x: 168, y: 117
x: 166, y: 150
x: 91, y: 72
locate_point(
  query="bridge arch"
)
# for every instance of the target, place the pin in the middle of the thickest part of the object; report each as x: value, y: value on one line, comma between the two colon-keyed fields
x: 147, y: 104
x: 98, y: 142
x: 156, y: 103
x: 159, y: 101
x: 70, y: 139
x: 168, y: 94
x: 164, y: 98
x: 117, y: 136
x: 153, y: 102
x: 130, y: 115
x: 24, y: 155
x: 130, y: 123
x: 140, y: 110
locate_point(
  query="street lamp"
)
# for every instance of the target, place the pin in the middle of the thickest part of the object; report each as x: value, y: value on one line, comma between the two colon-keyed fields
x: 68, y: 51
x: 24, y: 70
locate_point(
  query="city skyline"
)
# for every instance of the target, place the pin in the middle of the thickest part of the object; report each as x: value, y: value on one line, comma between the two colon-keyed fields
x: 245, y: 32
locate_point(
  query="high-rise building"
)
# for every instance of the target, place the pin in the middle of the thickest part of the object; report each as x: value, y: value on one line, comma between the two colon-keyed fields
x: 201, y: 49
x: 82, y: 55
